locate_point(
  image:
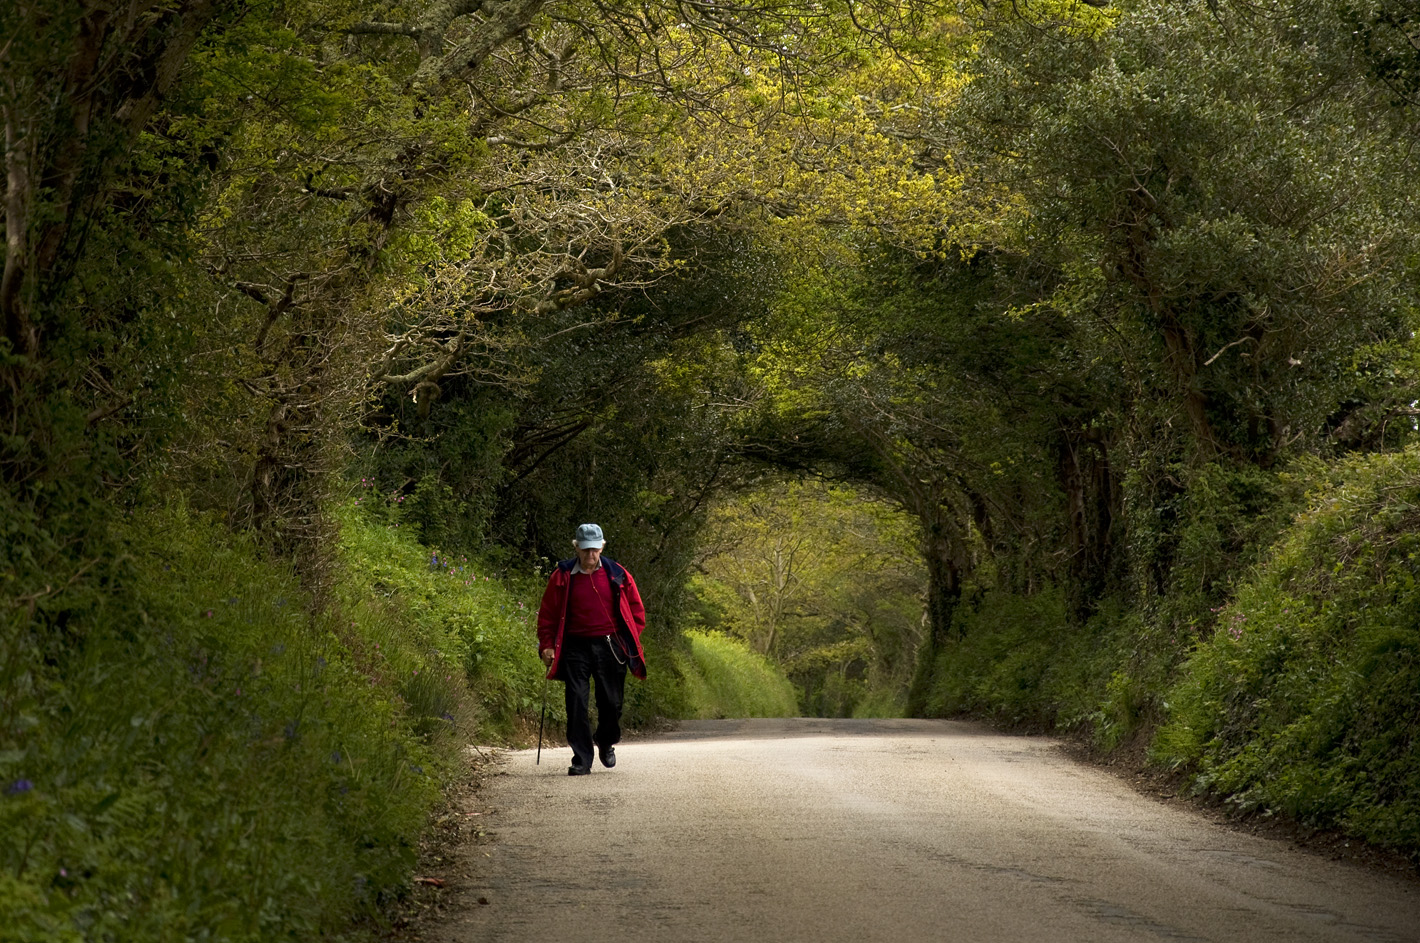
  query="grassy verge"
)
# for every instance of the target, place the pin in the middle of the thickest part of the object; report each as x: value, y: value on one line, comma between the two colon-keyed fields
x: 1305, y: 700
x: 205, y: 755
x: 724, y: 678
x: 475, y: 616
x: 208, y: 759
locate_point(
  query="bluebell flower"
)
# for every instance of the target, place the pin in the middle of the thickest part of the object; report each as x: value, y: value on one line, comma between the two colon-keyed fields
x: 335, y: 757
x: 291, y: 731
x: 19, y: 786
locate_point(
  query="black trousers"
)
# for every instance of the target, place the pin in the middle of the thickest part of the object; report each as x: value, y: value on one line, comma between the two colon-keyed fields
x: 585, y: 659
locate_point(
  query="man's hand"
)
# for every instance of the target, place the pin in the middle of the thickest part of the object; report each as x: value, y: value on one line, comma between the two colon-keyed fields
x: 547, y: 656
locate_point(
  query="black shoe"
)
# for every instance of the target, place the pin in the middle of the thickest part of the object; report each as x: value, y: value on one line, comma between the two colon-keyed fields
x: 575, y: 770
x: 608, y: 756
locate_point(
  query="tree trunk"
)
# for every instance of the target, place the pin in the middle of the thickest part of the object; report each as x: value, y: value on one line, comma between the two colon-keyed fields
x: 943, y: 555
x: 1092, y: 504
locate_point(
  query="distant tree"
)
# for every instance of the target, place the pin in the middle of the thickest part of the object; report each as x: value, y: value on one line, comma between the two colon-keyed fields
x: 826, y: 581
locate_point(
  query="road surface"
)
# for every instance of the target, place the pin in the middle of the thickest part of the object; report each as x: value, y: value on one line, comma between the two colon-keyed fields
x: 892, y: 830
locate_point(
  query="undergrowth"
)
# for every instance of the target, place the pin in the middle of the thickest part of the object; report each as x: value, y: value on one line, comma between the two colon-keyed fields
x: 204, y: 754
x: 209, y: 759
x: 724, y: 678
x: 1305, y: 700
x: 1296, y: 692
x: 477, y: 615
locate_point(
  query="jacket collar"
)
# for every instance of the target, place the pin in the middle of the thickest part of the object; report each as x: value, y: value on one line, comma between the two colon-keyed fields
x: 614, y: 571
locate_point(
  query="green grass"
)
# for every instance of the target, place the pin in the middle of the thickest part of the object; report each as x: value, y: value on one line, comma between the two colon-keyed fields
x: 470, y: 615
x: 207, y: 759
x: 724, y: 678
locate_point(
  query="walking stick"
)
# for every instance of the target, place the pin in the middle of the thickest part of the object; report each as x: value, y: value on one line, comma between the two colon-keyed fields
x: 541, y: 722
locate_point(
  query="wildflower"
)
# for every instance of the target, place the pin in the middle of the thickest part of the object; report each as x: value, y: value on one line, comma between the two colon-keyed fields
x: 239, y: 692
x: 290, y: 731
x: 335, y: 757
x: 207, y: 614
x: 64, y: 872
x: 447, y: 716
x: 19, y: 786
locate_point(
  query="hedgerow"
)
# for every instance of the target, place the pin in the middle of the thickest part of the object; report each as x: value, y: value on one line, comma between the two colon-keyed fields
x: 1298, y: 693
x: 210, y: 755
x: 210, y: 759
x: 1305, y: 700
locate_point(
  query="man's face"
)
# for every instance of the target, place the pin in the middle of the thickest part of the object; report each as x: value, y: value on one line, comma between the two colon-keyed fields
x: 589, y: 557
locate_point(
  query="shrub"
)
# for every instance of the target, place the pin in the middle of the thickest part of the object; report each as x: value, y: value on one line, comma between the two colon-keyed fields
x: 1306, y: 698
x: 998, y: 661
x: 467, y: 615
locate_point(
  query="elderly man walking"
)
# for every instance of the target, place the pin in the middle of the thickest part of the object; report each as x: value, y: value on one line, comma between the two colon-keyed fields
x: 589, y: 627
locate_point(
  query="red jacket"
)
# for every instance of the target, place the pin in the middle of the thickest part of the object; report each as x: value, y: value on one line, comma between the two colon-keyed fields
x: 628, y: 610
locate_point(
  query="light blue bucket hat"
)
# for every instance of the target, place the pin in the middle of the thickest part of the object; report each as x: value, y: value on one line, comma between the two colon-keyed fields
x: 589, y: 535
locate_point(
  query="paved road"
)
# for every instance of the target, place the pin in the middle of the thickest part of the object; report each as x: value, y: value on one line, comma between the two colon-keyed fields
x: 894, y: 830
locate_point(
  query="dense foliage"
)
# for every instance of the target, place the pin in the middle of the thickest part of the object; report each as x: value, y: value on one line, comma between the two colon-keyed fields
x: 1305, y: 698
x: 214, y: 759
x: 1098, y: 322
